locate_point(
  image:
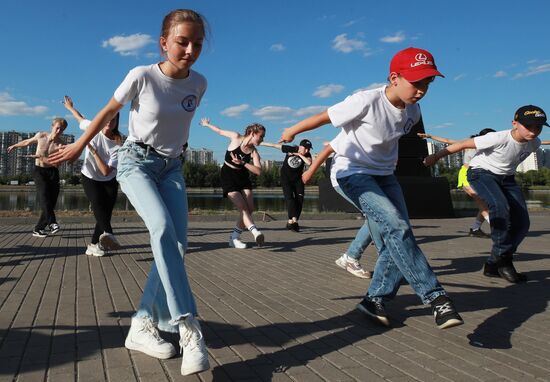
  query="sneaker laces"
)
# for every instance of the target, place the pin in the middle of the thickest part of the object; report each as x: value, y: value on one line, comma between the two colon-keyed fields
x: 149, y: 327
x: 190, y: 337
x: 444, y: 308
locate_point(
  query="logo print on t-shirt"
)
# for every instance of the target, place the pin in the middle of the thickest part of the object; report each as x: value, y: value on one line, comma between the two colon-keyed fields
x: 408, y: 126
x: 294, y: 161
x: 189, y: 103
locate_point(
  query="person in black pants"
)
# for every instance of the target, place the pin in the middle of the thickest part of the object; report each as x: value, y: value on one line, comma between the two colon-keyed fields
x: 46, y: 175
x: 291, y: 178
x: 99, y: 179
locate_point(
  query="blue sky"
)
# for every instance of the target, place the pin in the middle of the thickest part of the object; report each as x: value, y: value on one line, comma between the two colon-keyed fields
x: 276, y: 62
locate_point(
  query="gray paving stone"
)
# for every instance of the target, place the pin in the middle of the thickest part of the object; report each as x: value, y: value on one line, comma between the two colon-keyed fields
x: 279, y: 313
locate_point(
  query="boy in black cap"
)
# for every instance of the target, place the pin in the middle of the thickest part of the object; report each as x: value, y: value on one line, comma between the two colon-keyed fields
x: 491, y: 175
x: 291, y: 178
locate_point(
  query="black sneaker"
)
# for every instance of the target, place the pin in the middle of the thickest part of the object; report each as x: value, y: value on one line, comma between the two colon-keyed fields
x: 54, y: 228
x: 478, y: 233
x: 445, y: 313
x: 374, y: 310
x: 295, y: 227
x: 490, y: 270
x: 289, y: 226
x: 508, y: 272
x: 40, y: 233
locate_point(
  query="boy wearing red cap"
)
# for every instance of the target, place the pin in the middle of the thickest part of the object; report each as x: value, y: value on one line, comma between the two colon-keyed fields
x: 491, y: 174
x: 372, y: 122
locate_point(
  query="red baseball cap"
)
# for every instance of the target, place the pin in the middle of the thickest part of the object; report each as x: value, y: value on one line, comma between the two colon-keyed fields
x: 414, y: 64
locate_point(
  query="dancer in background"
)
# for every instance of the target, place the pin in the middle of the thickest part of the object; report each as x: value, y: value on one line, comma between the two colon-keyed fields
x: 492, y: 175
x: 99, y: 179
x: 291, y: 178
x: 235, y: 177
x: 46, y: 175
x: 163, y: 99
x: 483, y: 211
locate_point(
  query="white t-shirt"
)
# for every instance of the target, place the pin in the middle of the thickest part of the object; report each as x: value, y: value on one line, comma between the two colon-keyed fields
x: 333, y: 144
x: 162, y: 107
x: 467, y: 156
x: 500, y: 153
x: 107, y: 150
x: 372, y: 127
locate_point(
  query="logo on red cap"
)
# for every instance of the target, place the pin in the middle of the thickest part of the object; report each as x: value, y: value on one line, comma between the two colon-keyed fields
x: 414, y: 64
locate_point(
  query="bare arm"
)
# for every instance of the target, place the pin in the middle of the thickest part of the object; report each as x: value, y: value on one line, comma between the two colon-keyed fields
x: 226, y: 133
x: 545, y: 142
x: 469, y: 143
x: 255, y: 168
x: 103, y: 167
x: 72, y: 152
x: 68, y: 103
x: 307, y: 124
x: 317, y: 162
x: 272, y: 145
x: 436, y: 138
x: 307, y: 160
x: 23, y: 143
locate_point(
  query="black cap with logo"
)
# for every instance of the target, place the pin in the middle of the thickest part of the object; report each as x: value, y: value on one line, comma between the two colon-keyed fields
x: 306, y: 143
x: 531, y: 115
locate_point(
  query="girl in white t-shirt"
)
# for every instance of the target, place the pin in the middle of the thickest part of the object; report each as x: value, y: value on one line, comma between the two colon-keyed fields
x: 241, y: 158
x: 99, y: 179
x: 163, y: 98
x: 492, y: 175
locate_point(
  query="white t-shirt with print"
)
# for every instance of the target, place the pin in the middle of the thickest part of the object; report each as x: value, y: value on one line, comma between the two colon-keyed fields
x: 107, y: 150
x: 161, y: 108
x: 372, y: 127
x: 500, y: 153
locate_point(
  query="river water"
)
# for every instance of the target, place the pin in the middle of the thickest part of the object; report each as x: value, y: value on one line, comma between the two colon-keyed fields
x: 76, y: 200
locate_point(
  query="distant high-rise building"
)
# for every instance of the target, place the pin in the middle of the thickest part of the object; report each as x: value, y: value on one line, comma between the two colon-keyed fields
x: 532, y: 162
x: 199, y: 156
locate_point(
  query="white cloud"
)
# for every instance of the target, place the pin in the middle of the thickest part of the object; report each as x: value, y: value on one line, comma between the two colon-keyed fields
x: 534, y: 70
x: 500, y: 73
x: 325, y: 91
x: 270, y: 113
x: 10, y: 106
x: 442, y: 125
x: 374, y: 85
x: 342, y: 43
x: 128, y: 45
x: 352, y: 22
x: 398, y: 37
x: 286, y: 114
x: 235, y: 111
x: 277, y: 47
x: 460, y: 76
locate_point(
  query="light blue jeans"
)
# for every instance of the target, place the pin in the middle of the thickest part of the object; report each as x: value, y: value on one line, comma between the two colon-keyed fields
x: 155, y: 186
x: 362, y: 237
x: 382, y: 201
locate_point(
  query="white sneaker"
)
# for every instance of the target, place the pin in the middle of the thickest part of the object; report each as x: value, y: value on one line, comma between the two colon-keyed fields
x: 259, y: 237
x: 109, y: 241
x: 144, y: 337
x: 352, y: 266
x: 94, y: 250
x: 236, y: 243
x: 195, y: 356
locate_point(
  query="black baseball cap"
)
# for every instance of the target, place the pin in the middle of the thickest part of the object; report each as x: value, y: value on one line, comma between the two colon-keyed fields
x: 306, y: 143
x: 531, y: 115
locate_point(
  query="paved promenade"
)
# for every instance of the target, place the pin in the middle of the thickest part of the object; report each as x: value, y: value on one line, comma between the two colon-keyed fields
x: 283, y: 312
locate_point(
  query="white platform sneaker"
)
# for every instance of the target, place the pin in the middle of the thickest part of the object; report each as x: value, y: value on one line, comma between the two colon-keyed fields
x: 195, y: 355
x: 144, y: 337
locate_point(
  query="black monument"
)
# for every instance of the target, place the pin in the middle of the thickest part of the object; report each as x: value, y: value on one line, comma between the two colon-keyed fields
x: 426, y: 196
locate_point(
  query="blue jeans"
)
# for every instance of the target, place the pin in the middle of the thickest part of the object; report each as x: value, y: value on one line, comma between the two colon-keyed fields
x: 155, y: 187
x: 508, y: 213
x: 381, y: 200
x: 362, y: 237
